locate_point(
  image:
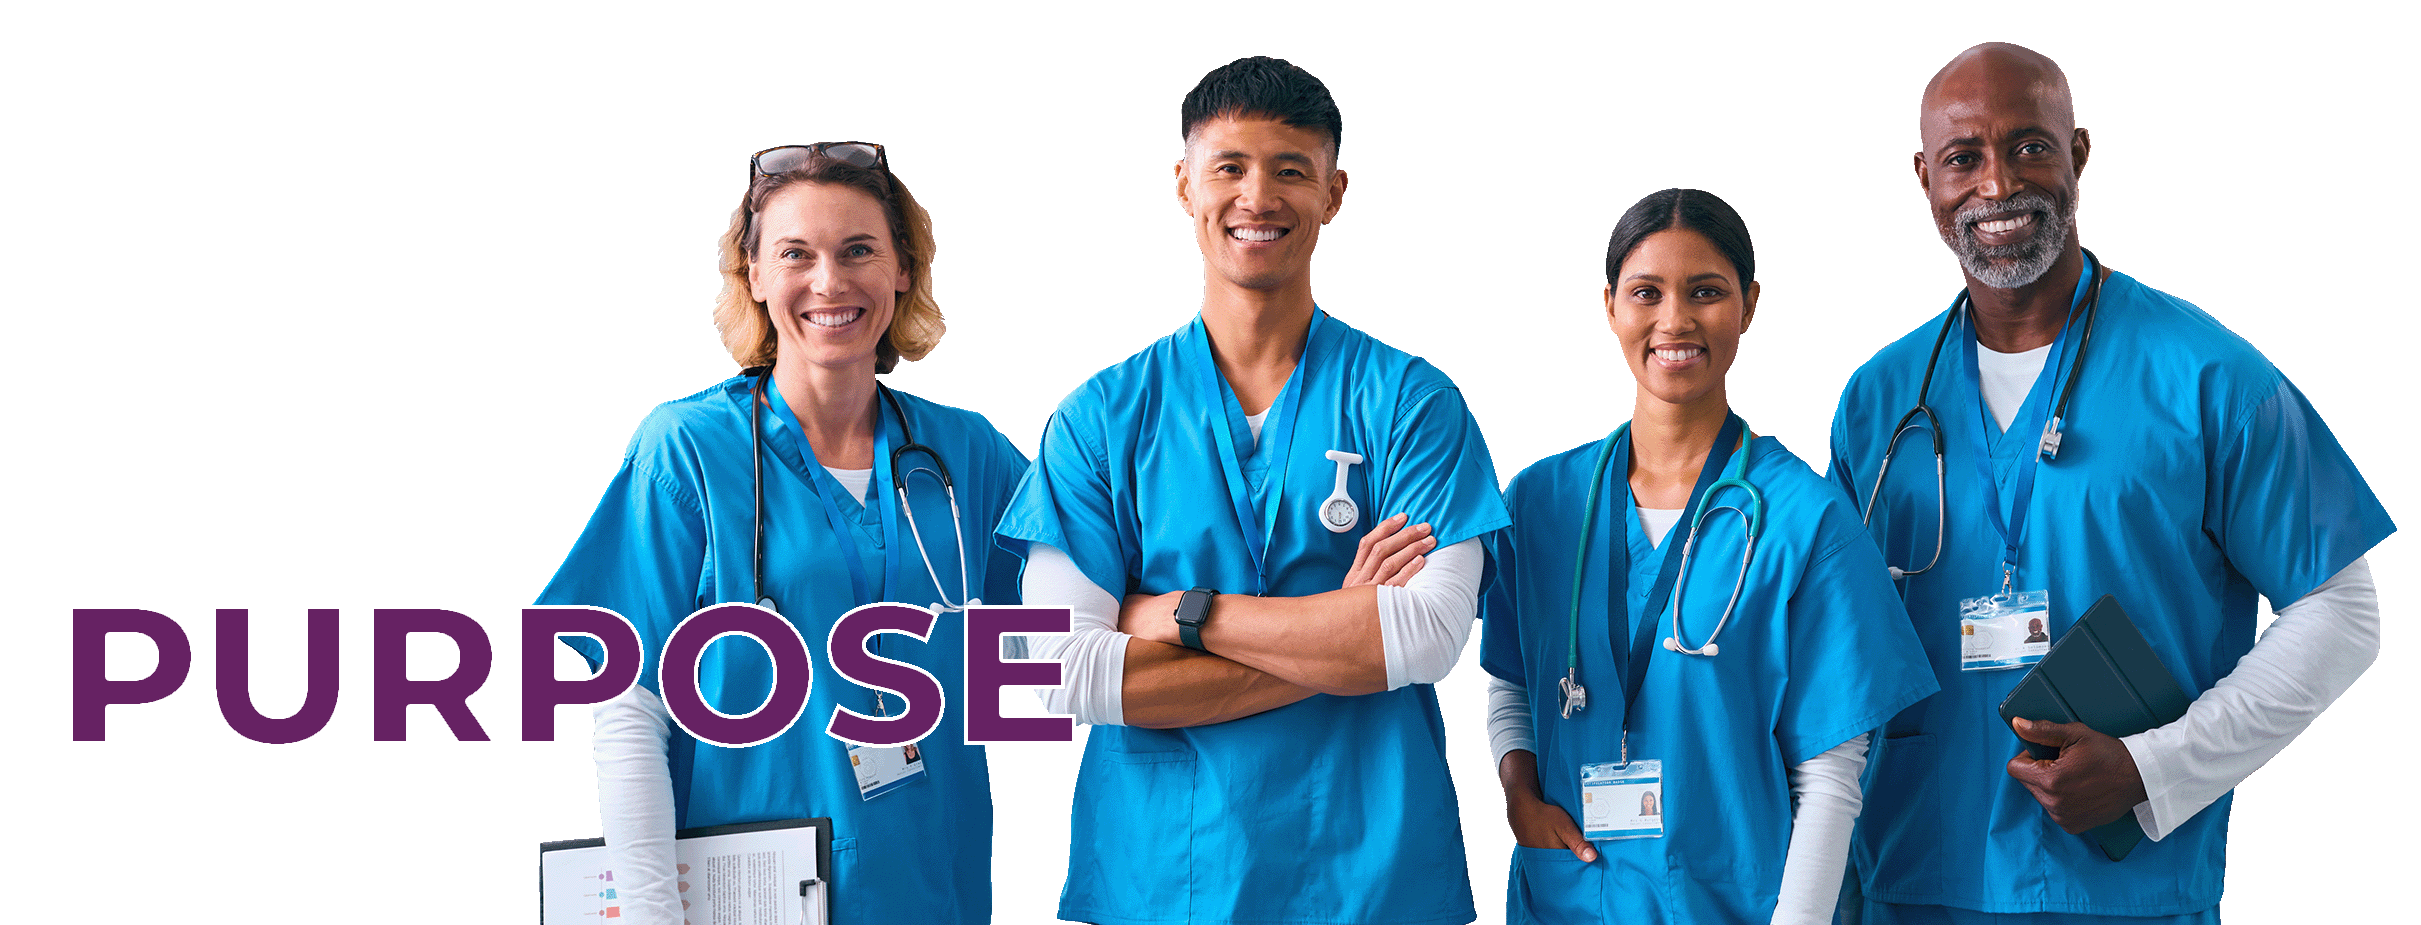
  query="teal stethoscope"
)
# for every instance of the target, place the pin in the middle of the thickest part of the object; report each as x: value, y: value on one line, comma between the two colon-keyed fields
x: 1734, y: 439
x: 899, y: 487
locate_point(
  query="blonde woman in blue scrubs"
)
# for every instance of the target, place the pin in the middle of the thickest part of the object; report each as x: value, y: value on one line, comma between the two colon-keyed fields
x: 827, y: 270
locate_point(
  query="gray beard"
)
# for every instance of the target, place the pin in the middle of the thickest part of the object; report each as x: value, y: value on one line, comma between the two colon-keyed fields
x: 2013, y: 265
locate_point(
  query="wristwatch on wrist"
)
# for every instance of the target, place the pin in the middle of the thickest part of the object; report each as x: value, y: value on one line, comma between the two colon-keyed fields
x: 1193, y: 610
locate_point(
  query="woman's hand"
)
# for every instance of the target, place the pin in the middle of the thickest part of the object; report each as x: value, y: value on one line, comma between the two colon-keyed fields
x: 1151, y: 617
x: 1536, y: 822
x: 1390, y: 554
x: 1540, y: 824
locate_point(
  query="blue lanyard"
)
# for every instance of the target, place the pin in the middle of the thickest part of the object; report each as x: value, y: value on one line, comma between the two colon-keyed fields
x: 2012, y: 526
x: 1632, y: 664
x: 1259, y: 526
x: 860, y: 587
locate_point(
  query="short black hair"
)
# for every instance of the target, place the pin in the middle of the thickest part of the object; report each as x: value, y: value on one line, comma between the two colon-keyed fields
x: 1696, y: 210
x: 1263, y: 87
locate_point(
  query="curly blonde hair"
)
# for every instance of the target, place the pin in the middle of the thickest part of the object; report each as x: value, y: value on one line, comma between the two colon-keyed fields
x: 916, y: 320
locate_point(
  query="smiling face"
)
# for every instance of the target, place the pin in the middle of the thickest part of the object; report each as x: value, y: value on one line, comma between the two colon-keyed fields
x: 1258, y: 191
x: 828, y: 272
x: 2000, y: 164
x: 1678, y: 308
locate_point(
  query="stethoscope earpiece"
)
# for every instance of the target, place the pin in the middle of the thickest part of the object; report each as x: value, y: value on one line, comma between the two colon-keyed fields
x: 1710, y: 650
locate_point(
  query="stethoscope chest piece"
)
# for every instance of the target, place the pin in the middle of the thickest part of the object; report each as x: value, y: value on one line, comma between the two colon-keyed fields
x: 1339, y: 513
x: 1576, y: 697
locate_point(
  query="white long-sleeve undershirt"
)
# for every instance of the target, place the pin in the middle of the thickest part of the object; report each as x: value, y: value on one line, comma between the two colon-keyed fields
x: 1424, y: 624
x: 632, y: 742
x: 2006, y: 378
x: 2308, y: 657
x: 1825, y: 801
x: 1423, y: 627
x: 1092, y: 654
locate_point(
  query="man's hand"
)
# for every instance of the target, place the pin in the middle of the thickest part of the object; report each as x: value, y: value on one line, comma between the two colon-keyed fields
x: 1390, y: 554
x: 2090, y: 784
x: 1151, y: 617
x: 1536, y: 822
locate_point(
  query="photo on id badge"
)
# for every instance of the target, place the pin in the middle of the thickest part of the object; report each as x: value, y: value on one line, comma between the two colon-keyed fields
x: 1620, y: 801
x: 882, y: 770
x: 2006, y: 630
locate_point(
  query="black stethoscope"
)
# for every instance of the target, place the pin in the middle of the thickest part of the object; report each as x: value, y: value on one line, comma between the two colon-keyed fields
x: 899, y: 487
x: 2049, y: 449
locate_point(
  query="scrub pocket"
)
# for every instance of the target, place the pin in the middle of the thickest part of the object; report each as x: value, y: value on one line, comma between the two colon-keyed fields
x: 1549, y: 886
x: 850, y: 894
x: 1132, y: 813
x: 1903, y: 809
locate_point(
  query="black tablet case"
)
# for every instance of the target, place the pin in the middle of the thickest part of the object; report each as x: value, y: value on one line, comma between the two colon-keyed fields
x: 2103, y: 674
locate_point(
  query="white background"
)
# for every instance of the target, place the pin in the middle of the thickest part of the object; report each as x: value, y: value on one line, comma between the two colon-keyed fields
x: 356, y: 308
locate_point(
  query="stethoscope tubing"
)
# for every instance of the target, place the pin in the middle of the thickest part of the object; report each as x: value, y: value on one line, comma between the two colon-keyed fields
x: 1963, y: 307
x: 1752, y: 520
x: 1748, y: 553
x: 899, y: 487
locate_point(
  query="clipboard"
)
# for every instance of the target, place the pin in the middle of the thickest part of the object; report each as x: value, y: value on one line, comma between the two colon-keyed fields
x: 787, y: 850
x: 2103, y: 674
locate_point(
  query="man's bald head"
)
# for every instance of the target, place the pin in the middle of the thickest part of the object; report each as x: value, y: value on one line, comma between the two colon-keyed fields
x: 1999, y: 69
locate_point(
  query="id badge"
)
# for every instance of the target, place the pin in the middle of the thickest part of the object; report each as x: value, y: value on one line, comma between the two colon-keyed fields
x: 1619, y: 801
x: 882, y: 770
x: 2004, y: 630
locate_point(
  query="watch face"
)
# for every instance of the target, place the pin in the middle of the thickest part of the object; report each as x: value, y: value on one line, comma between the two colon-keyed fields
x: 1192, y: 607
x: 1339, y: 512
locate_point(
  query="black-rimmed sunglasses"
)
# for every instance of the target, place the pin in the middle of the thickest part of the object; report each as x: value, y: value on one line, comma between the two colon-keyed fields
x: 786, y: 158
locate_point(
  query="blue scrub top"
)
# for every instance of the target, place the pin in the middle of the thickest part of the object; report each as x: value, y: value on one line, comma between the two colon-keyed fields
x: 1810, y: 659
x: 1329, y: 810
x: 2192, y: 476
x: 674, y: 533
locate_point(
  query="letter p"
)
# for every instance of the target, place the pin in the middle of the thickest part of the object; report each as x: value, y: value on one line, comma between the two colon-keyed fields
x: 94, y: 691
x: 542, y: 692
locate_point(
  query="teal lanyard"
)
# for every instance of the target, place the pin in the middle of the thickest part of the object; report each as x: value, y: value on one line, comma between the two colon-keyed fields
x: 861, y: 588
x: 2012, y: 527
x: 1259, y: 525
x: 1631, y: 664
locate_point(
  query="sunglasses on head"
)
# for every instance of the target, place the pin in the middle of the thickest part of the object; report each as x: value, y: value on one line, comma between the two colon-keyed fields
x: 787, y: 158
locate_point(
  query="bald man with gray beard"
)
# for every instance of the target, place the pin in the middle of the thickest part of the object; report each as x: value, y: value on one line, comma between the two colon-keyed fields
x: 2098, y: 437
